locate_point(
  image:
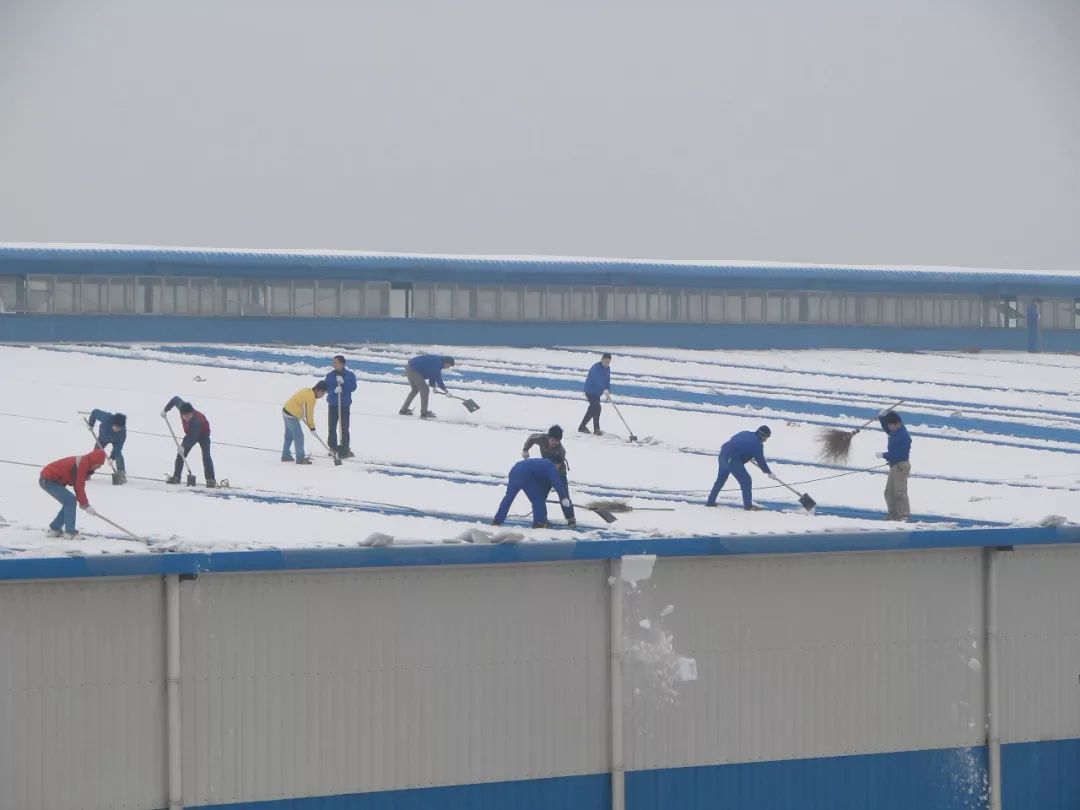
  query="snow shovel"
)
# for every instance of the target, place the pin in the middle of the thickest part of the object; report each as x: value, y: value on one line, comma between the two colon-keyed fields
x: 808, y: 503
x: 836, y: 443
x: 115, y: 525
x: 470, y: 406
x: 603, y: 514
x: 112, y: 464
x: 180, y: 452
x: 335, y: 456
x: 633, y: 438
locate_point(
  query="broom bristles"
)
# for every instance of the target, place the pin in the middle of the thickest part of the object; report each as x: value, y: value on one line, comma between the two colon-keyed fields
x: 609, y: 506
x: 835, y: 444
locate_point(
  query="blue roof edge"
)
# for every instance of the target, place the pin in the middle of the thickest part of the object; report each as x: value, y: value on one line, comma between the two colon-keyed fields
x: 309, y: 559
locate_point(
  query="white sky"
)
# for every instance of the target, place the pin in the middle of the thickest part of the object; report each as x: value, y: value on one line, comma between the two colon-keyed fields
x: 743, y: 129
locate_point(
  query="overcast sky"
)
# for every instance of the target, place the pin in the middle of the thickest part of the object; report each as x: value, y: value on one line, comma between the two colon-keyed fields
x: 855, y: 131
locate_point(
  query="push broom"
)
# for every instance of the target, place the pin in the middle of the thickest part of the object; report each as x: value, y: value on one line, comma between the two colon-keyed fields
x: 835, y: 444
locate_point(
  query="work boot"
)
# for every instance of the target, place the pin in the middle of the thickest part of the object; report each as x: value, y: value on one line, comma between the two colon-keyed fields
x: 173, y: 479
x: 211, y: 483
x: 51, y: 532
x: 597, y: 432
x: 345, y: 452
x: 286, y: 457
x: 119, y: 478
x: 753, y: 508
x: 406, y: 412
x: 304, y: 460
x: 427, y: 414
x: 541, y: 525
x: 583, y: 429
x: 72, y: 536
x: 571, y: 522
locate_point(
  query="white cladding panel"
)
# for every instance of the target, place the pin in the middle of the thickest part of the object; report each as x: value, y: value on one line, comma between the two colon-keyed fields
x: 308, y: 684
x: 82, y: 697
x: 1039, y: 643
x: 806, y: 656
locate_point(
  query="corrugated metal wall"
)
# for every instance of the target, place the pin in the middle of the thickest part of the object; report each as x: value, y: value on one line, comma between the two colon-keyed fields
x: 1039, y: 644
x: 82, y: 697
x: 814, y: 671
x: 809, y: 656
x: 346, y: 682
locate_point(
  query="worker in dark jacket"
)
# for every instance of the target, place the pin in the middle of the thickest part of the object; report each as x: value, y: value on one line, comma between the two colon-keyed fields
x: 734, y: 455
x: 898, y: 457
x: 551, y: 448
x: 340, y: 384
x: 72, y: 471
x: 597, y: 383
x: 420, y: 371
x: 537, y: 476
x: 112, y: 431
x: 196, y: 432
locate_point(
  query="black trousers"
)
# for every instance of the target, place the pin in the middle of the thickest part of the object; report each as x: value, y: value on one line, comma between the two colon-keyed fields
x: 207, y: 462
x: 332, y: 426
x: 593, y: 412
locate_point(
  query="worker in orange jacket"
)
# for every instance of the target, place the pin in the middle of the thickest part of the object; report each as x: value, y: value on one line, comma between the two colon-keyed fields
x: 55, y: 479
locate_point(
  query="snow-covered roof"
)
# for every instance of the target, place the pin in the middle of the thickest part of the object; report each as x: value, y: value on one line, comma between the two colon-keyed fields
x: 134, y: 259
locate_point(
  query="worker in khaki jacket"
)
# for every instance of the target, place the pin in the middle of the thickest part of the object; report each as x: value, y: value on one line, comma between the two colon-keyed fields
x: 300, y: 407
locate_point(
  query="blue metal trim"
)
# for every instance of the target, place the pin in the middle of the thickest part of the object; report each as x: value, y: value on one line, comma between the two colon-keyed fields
x: 1043, y: 774
x: 940, y: 779
x: 537, y: 270
x: 20, y: 328
x: 588, y: 792
x: 529, y: 552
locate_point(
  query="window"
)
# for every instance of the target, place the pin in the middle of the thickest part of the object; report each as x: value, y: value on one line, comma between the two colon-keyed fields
x: 201, y: 296
x: 304, y: 299
x: 909, y: 311
x: 95, y: 295
x: 755, y: 307
x: 228, y: 298
x: 733, y: 307
x: 377, y: 299
x: 121, y: 295
x: 555, y: 304
x: 422, y: 300
x: 510, y: 303
x: 327, y: 295
x: 352, y: 299
x: 280, y: 294
x: 39, y: 294
x: 605, y: 304
x: 695, y: 306
x: 65, y: 295
x: 174, y: 296
x: 487, y: 304
x: 534, y: 303
x: 774, y: 308
x: 870, y: 310
x: 444, y: 301
x: 626, y: 305
x: 581, y: 303
x: 253, y: 298
x: 8, y: 294
x: 714, y: 307
x: 463, y: 302
x: 659, y: 305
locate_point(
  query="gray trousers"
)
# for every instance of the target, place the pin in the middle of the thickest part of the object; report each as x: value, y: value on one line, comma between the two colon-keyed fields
x: 419, y: 386
x: 896, y: 497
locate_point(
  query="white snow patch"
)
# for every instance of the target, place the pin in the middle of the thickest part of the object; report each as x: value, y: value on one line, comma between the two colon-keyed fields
x: 636, y: 568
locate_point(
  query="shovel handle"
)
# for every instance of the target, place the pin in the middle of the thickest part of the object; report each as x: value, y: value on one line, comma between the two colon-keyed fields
x: 871, y: 421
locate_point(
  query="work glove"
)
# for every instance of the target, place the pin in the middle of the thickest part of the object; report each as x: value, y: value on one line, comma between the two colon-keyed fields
x: 566, y: 503
x: 771, y: 475
x: 524, y: 453
x: 607, y: 396
x: 880, y: 455
x: 88, y: 509
x: 163, y: 415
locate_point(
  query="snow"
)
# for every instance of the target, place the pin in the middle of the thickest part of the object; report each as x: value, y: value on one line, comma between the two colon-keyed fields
x: 1010, y: 457
x: 636, y: 567
x: 489, y: 257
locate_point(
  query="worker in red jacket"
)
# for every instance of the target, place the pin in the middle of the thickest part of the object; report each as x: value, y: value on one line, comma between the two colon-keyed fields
x: 70, y: 472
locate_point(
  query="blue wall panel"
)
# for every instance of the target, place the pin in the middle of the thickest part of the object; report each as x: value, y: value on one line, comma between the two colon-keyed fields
x: 946, y: 779
x: 592, y: 792
x: 167, y: 328
x: 1043, y: 775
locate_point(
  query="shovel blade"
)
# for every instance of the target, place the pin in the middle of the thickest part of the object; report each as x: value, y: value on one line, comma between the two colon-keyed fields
x: 604, y: 515
x: 808, y: 503
x: 191, y: 480
x: 470, y: 406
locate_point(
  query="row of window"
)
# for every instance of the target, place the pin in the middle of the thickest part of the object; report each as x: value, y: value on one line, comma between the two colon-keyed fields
x: 375, y: 299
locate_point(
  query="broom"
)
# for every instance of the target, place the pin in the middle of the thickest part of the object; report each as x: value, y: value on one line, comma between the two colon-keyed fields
x: 623, y: 506
x: 836, y: 443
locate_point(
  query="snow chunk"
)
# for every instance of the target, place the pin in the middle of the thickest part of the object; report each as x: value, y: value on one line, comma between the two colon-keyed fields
x: 637, y: 567
x: 668, y: 610
x: 645, y: 624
